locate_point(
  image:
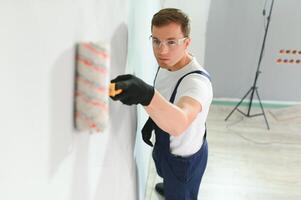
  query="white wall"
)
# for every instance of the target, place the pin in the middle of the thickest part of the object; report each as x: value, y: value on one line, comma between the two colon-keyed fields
x: 234, y: 38
x: 42, y: 156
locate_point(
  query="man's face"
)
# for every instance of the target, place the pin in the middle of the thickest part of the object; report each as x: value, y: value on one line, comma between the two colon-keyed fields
x: 168, y: 56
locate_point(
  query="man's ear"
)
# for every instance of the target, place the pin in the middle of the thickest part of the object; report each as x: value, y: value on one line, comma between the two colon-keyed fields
x: 187, y: 42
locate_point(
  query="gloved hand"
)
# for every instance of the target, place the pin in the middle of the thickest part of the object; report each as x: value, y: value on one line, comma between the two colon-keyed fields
x: 134, y: 90
x: 147, y: 131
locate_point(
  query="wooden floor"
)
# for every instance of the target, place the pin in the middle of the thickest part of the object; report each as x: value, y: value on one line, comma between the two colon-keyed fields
x: 247, y: 161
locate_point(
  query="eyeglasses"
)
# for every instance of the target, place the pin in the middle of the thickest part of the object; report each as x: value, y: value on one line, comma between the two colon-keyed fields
x: 171, y: 44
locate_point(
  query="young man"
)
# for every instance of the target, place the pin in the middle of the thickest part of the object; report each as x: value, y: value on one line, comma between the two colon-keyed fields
x: 177, y: 106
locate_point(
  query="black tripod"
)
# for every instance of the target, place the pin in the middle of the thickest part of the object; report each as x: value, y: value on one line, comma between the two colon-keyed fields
x: 254, y: 88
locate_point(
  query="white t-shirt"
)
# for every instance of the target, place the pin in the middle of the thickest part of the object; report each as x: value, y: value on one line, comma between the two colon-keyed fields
x: 195, y: 86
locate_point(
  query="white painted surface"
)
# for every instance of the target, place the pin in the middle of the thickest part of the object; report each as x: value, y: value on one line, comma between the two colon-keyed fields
x: 42, y: 156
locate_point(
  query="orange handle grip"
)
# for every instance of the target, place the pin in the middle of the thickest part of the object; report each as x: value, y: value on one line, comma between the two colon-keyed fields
x: 112, y: 90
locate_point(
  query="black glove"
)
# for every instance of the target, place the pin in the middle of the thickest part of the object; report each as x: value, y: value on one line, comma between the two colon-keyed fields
x: 134, y: 90
x: 147, y: 131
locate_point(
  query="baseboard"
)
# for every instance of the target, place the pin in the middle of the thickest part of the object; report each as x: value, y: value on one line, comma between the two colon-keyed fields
x: 255, y: 103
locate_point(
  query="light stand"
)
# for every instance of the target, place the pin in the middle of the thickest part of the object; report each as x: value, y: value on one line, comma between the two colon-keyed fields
x: 254, y: 88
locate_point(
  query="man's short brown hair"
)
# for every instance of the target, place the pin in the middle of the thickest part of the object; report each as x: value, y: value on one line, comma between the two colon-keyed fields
x: 172, y: 15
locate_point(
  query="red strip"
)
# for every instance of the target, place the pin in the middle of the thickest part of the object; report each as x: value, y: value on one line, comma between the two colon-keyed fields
x: 95, y: 103
x: 88, y: 121
x: 96, y: 51
x: 91, y: 85
x: 89, y: 64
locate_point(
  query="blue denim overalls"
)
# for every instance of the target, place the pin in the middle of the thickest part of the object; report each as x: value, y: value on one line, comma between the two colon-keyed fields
x: 181, y: 175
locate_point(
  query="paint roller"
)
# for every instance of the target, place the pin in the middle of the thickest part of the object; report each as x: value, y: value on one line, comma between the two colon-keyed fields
x: 92, y: 87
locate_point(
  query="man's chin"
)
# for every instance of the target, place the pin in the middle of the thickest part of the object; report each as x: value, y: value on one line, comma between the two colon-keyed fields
x: 164, y: 65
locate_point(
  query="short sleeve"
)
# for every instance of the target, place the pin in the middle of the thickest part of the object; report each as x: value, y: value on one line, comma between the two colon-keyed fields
x: 197, y: 87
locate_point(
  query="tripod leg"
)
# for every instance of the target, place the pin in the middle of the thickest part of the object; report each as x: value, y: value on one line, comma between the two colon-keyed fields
x: 238, y: 104
x: 265, y: 118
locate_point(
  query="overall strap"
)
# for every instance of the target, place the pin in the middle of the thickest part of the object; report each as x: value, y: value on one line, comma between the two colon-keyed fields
x: 172, y: 98
x: 156, y: 75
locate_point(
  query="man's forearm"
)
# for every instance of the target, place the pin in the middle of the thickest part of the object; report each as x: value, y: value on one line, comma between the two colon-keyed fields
x: 167, y: 116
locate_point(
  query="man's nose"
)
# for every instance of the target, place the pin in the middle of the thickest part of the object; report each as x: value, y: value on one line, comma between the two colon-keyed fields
x: 163, y: 48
